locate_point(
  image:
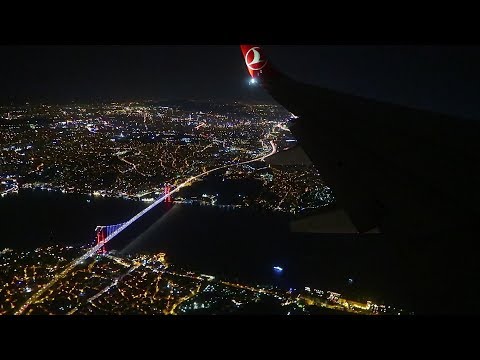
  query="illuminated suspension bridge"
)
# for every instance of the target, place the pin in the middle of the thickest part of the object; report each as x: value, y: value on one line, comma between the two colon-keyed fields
x: 110, y: 231
x: 103, y: 232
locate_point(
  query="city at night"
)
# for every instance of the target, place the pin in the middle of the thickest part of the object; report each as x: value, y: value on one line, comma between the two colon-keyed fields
x: 308, y: 180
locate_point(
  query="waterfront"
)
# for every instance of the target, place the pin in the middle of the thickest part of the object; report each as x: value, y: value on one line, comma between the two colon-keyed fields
x: 35, y: 218
x: 208, y: 239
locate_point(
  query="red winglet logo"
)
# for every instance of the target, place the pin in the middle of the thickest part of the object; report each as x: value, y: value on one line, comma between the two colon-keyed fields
x: 254, y: 59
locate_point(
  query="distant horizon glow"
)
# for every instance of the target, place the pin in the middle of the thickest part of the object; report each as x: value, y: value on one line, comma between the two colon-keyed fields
x: 44, y: 73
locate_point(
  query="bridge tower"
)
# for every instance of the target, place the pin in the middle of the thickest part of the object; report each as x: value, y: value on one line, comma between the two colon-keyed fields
x: 100, y: 230
x: 168, y: 199
x: 104, y: 232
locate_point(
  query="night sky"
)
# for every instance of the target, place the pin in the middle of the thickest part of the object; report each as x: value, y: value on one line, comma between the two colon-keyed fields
x: 440, y: 78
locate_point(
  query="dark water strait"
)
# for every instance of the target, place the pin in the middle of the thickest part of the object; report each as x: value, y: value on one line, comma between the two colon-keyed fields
x: 238, y: 244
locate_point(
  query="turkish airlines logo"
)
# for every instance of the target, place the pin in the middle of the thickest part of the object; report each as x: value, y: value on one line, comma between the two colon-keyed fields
x: 254, y: 60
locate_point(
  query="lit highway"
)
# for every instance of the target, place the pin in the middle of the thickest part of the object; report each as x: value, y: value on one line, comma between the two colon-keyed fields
x: 13, y: 189
x: 92, y: 251
x: 133, y: 166
x: 113, y: 284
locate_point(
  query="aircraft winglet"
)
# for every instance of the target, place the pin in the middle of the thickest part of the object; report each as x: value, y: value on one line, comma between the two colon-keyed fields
x: 254, y: 59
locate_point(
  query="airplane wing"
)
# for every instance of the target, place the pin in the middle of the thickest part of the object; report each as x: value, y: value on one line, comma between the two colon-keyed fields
x: 409, y: 174
x: 392, y: 168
